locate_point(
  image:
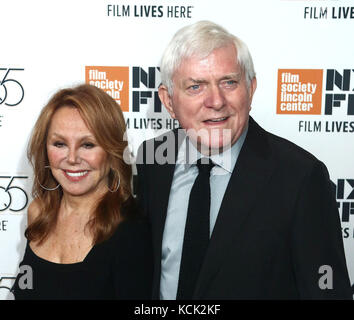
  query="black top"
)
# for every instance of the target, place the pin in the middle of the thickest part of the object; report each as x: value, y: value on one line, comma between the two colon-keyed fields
x: 118, y: 268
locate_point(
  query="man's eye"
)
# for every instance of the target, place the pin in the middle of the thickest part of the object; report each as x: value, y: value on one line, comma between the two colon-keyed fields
x: 230, y: 82
x: 194, y: 87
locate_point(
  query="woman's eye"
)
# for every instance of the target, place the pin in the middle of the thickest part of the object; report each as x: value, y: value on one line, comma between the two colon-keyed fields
x: 58, y: 144
x: 88, y: 145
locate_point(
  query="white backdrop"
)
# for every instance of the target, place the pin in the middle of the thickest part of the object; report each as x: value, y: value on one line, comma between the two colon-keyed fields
x: 48, y: 45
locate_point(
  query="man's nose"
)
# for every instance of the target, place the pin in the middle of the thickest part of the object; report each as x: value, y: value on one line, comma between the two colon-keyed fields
x: 215, y: 98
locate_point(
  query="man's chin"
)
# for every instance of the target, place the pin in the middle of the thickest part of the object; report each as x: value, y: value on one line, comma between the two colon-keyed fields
x: 211, y: 142
x: 213, y: 147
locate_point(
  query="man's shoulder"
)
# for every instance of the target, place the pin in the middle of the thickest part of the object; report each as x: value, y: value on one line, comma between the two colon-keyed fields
x: 287, y: 152
x: 289, y: 160
x: 288, y: 149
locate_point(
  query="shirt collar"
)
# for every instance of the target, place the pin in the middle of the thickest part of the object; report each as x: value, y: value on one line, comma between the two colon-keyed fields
x: 188, y: 155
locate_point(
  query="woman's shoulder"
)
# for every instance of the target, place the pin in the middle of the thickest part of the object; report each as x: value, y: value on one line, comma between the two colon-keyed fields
x: 134, y: 228
x: 130, y: 235
x: 133, y: 222
x: 133, y: 246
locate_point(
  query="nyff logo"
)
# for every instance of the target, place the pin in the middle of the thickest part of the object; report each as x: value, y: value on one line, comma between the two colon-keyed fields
x: 148, y: 93
x: 115, y: 81
x: 300, y: 91
x: 345, y: 198
x: 341, y: 83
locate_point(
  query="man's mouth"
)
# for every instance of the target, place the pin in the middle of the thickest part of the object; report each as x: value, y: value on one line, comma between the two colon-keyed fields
x: 216, y: 120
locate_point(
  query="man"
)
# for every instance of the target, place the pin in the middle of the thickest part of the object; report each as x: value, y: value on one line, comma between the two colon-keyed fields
x: 272, y: 221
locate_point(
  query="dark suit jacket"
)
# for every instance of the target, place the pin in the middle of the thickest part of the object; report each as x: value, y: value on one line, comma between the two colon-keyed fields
x: 277, y: 225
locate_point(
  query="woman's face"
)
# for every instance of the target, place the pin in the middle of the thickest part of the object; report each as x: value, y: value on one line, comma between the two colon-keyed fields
x: 77, y: 162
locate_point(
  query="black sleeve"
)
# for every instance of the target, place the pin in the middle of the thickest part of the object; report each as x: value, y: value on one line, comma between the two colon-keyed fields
x: 317, y: 246
x: 133, y: 261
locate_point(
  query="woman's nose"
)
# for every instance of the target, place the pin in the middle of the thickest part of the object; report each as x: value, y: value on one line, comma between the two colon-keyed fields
x: 73, y: 156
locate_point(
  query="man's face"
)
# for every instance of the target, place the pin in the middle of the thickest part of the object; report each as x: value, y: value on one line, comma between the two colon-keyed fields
x: 210, y: 98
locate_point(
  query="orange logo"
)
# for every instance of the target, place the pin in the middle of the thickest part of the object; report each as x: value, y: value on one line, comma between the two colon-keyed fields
x: 112, y: 80
x: 299, y: 91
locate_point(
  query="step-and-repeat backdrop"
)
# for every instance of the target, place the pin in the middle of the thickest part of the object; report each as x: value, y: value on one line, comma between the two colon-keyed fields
x: 303, y: 54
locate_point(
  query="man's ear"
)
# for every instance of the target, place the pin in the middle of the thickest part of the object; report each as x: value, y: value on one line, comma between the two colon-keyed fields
x: 166, y: 100
x: 252, y: 88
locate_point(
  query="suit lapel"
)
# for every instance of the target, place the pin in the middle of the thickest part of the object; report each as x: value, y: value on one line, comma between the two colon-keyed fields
x: 251, y: 173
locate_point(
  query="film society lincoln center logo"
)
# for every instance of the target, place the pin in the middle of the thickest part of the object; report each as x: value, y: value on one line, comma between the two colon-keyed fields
x: 299, y: 91
x: 112, y: 80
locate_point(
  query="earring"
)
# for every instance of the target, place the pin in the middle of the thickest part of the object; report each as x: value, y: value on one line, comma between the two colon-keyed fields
x: 45, y: 188
x: 116, y: 189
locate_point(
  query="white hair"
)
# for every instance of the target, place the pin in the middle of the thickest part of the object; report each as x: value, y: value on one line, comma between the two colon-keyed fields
x: 201, y: 38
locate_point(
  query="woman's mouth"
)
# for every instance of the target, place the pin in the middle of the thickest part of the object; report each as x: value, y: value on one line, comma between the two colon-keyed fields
x: 75, y: 175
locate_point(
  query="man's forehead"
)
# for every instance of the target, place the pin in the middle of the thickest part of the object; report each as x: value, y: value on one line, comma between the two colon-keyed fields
x: 190, y: 73
x: 202, y: 57
x: 206, y: 51
x: 216, y: 62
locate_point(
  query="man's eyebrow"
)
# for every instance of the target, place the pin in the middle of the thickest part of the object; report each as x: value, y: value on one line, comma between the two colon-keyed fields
x: 235, y: 75
x: 195, y: 80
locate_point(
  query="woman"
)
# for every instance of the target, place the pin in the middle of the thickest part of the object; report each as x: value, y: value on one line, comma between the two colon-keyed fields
x: 85, y: 239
